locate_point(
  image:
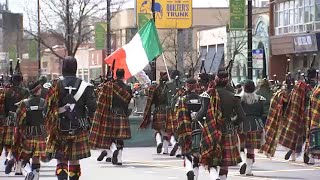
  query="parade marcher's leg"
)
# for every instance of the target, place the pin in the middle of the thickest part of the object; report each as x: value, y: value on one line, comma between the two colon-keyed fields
x: 62, y: 170
x: 166, y: 144
x: 223, y: 173
x: 35, y: 170
x: 214, y: 173
x: 189, y: 167
x: 74, y: 170
x: 287, y: 156
x: 175, y: 146
x: 117, y: 154
x: 243, y: 164
x: 249, y: 161
x: 196, y: 167
x: 159, y: 142
x: 110, y: 151
x: 10, y: 162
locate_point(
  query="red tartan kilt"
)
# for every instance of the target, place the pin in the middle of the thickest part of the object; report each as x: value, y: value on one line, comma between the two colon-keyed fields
x: 8, y: 132
x: 78, y: 148
x: 251, y: 139
x: 159, y: 120
x: 289, y: 136
x: 230, y: 151
x: 172, y: 123
x: 120, y: 127
x: 34, y: 147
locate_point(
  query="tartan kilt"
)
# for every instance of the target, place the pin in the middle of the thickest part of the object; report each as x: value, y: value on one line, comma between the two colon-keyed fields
x: 1, y: 137
x: 34, y: 146
x: 172, y: 123
x: 8, y: 132
x: 78, y: 147
x: 251, y: 139
x: 290, y: 136
x: 120, y: 127
x: 159, y: 120
x: 230, y: 151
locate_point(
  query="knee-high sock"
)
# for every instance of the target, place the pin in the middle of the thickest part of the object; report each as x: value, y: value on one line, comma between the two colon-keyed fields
x: 165, y: 147
x: 120, y: 156
x: 35, y: 168
x: 109, y: 153
x: 249, y: 163
x: 214, y: 173
x: 243, y: 157
x: 9, y: 155
x: 74, y: 172
x: 188, y: 163
x: 158, y: 138
x: 18, y: 167
x: 173, y: 141
x: 113, y: 147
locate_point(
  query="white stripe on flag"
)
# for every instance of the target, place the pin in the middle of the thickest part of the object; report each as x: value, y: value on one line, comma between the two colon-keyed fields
x: 136, y: 57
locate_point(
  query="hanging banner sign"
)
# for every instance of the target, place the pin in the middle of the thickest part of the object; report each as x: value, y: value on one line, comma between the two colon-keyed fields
x: 237, y: 14
x: 100, y: 35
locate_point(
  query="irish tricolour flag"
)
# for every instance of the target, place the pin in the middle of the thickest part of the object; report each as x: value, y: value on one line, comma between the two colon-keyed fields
x: 139, y: 52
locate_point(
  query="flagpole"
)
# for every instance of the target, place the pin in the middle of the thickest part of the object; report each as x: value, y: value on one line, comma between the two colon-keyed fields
x: 154, y: 64
x: 165, y: 64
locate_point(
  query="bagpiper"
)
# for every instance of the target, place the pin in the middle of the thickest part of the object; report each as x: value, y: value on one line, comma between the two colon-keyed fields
x: 157, y: 96
x: 30, y: 133
x: 71, y: 104
x: 110, y: 125
x: 13, y: 95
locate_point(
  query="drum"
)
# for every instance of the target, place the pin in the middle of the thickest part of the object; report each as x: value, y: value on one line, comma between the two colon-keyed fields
x: 315, y: 141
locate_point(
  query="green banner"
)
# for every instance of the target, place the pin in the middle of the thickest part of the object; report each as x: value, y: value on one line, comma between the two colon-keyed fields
x: 143, y: 18
x: 237, y: 14
x: 33, y: 49
x: 13, y: 53
x: 100, y: 35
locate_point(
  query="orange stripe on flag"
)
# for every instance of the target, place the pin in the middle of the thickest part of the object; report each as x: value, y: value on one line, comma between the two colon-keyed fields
x: 120, y: 57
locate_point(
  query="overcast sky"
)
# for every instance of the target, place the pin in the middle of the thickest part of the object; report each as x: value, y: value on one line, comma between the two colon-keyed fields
x: 18, y: 6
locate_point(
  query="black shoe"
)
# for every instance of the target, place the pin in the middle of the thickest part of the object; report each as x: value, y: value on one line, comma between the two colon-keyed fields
x: 18, y: 174
x: 9, y: 166
x: 159, y: 148
x: 287, y: 156
x: 108, y: 160
x: 5, y: 162
x: 178, y: 156
x: 102, y: 155
x: 119, y: 164
x: 115, y: 157
x: 243, y: 168
x: 174, y: 150
x: 190, y: 175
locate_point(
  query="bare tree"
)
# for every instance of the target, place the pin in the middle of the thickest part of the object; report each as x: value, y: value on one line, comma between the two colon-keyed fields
x: 237, y: 47
x: 70, y: 21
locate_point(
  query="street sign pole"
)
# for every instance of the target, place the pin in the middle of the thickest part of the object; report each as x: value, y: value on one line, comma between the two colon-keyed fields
x: 154, y: 64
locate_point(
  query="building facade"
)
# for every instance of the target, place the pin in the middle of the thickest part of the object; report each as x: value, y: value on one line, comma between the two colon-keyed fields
x: 294, y: 37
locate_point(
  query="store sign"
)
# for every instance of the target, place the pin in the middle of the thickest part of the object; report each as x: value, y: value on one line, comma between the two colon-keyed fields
x: 257, y: 58
x: 237, y: 14
x: 305, y: 43
x: 168, y: 13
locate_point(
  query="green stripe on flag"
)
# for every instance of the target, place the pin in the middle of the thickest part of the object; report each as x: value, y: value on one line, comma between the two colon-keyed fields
x: 150, y: 40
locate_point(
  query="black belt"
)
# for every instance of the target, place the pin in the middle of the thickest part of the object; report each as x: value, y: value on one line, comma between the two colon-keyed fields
x: 160, y: 108
x: 120, y: 112
x: 32, y: 131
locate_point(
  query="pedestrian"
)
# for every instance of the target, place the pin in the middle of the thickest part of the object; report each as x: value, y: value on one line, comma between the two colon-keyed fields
x: 30, y: 133
x: 251, y: 129
x: 71, y: 102
x: 110, y: 125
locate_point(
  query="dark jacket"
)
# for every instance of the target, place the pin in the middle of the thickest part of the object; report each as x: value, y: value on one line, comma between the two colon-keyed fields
x: 230, y: 107
x: 13, y: 95
x: 267, y: 94
x: 117, y: 103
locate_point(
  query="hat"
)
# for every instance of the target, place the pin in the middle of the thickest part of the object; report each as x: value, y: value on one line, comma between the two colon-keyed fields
x: 222, y: 77
x: 69, y: 66
x: 34, y: 86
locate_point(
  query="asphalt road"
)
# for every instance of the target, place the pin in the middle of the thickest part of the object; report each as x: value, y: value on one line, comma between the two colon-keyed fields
x: 145, y: 164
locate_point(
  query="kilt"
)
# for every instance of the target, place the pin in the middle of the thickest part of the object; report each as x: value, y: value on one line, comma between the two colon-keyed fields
x: 1, y: 137
x: 290, y: 138
x: 114, y: 127
x: 230, y: 151
x: 8, y: 132
x: 70, y: 149
x: 172, y: 123
x: 33, y: 147
x: 159, y: 120
x: 251, y: 139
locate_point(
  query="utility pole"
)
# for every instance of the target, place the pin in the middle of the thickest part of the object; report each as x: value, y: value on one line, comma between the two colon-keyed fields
x: 249, y: 65
x: 39, y: 50
x: 108, y: 49
x: 154, y: 64
x: 68, y: 33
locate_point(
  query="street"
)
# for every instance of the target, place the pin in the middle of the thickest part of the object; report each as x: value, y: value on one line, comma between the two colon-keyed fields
x: 144, y: 163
